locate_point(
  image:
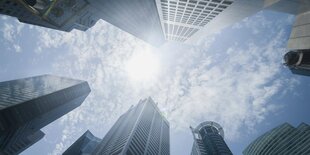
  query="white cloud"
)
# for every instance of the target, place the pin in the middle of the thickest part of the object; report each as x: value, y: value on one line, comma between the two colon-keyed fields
x: 11, y: 30
x: 233, y: 87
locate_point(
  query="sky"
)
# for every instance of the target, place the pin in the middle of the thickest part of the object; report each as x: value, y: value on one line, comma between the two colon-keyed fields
x: 235, y: 77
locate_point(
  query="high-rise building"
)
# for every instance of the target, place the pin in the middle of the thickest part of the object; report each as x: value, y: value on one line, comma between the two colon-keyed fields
x: 27, y: 105
x: 298, y: 62
x: 64, y: 15
x: 141, y: 130
x: 86, y: 144
x: 209, y: 140
x: 137, y: 17
x: 284, y: 139
x: 155, y: 21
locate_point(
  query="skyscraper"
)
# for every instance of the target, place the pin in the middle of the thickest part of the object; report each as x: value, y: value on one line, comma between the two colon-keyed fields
x: 209, y: 140
x: 27, y: 105
x: 141, y: 130
x: 137, y: 17
x: 86, y: 144
x: 64, y: 15
x: 298, y: 62
x: 154, y: 21
x: 284, y: 139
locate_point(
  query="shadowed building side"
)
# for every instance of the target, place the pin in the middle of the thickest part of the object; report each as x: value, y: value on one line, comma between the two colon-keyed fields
x: 29, y: 104
x: 86, y: 144
x: 64, y: 15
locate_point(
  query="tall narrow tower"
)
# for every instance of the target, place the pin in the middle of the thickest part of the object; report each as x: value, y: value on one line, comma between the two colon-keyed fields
x: 209, y: 140
x: 141, y: 130
x: 29, y: 104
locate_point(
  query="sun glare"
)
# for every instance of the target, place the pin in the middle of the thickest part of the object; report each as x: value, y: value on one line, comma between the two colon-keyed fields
x: 143, y: 66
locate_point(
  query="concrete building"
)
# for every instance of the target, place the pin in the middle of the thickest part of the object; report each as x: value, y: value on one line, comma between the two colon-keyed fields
x: 29, y: 104
x: 64, y: 15
x: 284, y: 139
x: 209, y: 140
x: 86, y: 144
x: 141, y: 130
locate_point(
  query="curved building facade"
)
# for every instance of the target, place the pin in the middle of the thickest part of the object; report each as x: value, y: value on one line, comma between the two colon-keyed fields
x: 209, y: 140
x: 284, y: 139
x: 298, y: 62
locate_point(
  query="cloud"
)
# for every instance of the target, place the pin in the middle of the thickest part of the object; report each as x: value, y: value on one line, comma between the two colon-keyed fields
x: 233, y: 87
x: 11, y: 30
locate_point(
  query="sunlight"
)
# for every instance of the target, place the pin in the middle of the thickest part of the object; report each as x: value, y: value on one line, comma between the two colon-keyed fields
x: 143, y: 66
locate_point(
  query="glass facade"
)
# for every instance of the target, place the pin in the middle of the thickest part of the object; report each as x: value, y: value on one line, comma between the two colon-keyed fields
x: 141, y: 130
x: 86, y: 144
x: 298, y: 62
x: 209, y: 140
x: 61, y: 15
x: 284, y: 139
x: 29, y: 104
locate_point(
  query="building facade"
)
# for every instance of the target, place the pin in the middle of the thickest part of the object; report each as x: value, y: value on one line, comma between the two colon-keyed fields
x: 27, y: 105
x: 141, y: 130
x: 298, y: 62
x: 64, y: 15
x: 284, y: 139
x: 86, y: 144
x: 155, y: 21
x: 209, y: 140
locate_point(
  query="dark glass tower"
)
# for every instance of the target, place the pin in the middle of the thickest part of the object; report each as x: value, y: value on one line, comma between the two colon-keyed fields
x: 209, y: 140
x: 27, y: 105
x: 298, y: 62
x: 86, y: 144
x: 141, y: 130
x: 284, y: 139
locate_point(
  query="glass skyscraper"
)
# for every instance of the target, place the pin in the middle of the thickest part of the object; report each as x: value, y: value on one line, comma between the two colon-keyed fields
x: 209, y: 140
x: 27, y: 105
x: 141, y: 130
x: 284, y: 139
x: 86, y: 144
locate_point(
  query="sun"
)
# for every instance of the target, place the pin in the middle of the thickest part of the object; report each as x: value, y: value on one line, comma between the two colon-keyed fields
x: 143, y: 66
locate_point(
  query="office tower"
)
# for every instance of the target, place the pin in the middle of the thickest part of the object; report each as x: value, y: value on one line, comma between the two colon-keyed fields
x: 27, y: 105
x: 64, y: 15
x: 141, y: 130
x: 189, y: 21
x: 86, y: 144
x: 284, y: 139
x: 298, y: 62
x: 209, y: 140
x: 137, y: 17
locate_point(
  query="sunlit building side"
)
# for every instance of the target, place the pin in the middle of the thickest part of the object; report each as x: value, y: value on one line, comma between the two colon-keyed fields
x: 29, y: 104
x: 284, y: 139
x: 141, y: 130
x: 209, y: 140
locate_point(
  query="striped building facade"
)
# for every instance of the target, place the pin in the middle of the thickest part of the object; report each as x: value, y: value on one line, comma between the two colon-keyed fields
x: 284, y: 139
x: 141, y: 130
